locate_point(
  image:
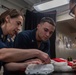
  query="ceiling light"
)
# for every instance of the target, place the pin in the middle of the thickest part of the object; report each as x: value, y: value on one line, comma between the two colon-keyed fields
x: 50, y: 5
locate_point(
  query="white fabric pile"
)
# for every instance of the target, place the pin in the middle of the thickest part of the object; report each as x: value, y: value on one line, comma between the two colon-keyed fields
x: 60, y: 65
x: 39, y: 69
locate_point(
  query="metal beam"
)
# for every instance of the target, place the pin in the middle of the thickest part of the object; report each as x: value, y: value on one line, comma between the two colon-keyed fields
x: 30, y: 2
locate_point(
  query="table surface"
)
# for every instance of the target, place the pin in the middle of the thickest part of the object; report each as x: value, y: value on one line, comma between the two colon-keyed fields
x: 71, y: 73
x: 68, y: 73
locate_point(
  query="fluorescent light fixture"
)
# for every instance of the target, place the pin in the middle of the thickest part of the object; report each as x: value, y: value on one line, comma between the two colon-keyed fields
x: 50, y: 5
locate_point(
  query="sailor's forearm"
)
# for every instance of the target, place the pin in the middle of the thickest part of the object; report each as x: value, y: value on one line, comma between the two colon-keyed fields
x: 12, y: 54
